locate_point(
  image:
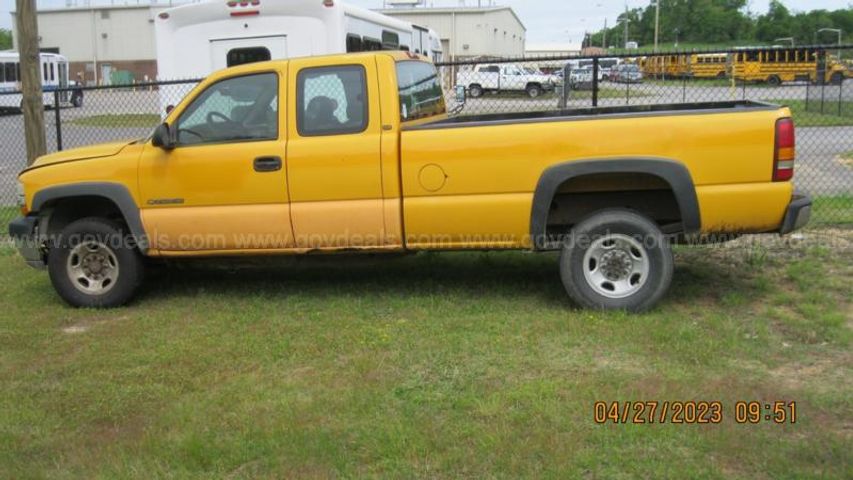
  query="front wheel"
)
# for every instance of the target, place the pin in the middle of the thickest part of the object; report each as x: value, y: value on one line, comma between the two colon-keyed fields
x: 837, y: 78
x: 475, y: 91
x: 533, y: 91
x: 616, y: 260
x: 95, y: 265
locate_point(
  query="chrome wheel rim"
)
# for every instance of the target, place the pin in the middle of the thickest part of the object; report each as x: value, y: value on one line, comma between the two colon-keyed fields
x: 616, y: 266
x: 92, y: 268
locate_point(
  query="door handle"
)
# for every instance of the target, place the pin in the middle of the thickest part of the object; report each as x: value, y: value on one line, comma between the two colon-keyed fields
x: 267, y: 164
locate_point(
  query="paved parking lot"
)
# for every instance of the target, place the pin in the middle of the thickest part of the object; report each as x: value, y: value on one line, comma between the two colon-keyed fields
x: 819, y: 168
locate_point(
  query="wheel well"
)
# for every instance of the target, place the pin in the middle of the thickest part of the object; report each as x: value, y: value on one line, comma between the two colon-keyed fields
x: 534, y: 84
x: 580, y: 196
x: 62, y: 212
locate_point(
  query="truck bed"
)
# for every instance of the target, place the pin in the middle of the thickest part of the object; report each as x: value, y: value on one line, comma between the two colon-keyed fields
x: 598, y: 112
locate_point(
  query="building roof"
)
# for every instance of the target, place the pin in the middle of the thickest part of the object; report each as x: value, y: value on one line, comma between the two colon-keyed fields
x: 450, y: 10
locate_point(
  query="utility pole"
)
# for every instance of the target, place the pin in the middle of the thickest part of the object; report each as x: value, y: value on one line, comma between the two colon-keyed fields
x: 657, y: 22
x: 32, y: 104
x: 627, y: 20
x: 604, y: 35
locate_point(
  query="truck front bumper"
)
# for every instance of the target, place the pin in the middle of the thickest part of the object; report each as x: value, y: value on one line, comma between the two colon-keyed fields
x: 23, y: 231
x: 798, y: 214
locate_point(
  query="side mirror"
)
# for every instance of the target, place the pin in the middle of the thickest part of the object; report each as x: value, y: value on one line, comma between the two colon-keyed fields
x: 460, y: 94
x: 162, y: 137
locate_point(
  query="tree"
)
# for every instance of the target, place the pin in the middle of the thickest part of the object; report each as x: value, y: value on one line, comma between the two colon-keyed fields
x: 727, y: 22
x: 5, y: 39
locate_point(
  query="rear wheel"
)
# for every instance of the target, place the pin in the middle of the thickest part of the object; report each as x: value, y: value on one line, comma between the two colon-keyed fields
x: 774, y: 80
x: 616, y: 260
x: 93, y: 265
x: 77, y: 99
x: 475, y: 91
x: 533, y: 91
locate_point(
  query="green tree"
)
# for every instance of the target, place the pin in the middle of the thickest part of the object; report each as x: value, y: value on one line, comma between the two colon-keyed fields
x: 725, y: 21
x: 5, y: 39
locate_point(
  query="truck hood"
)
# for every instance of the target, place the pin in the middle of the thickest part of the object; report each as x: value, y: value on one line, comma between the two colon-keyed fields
x: 84, y: 153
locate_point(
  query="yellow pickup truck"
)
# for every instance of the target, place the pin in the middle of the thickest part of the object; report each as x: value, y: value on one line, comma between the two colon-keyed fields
x: 357, y: 153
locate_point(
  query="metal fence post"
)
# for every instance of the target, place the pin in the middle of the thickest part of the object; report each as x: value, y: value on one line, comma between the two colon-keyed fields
x: 595, y: 82
x: 58, y: 120
x: 808, y: 94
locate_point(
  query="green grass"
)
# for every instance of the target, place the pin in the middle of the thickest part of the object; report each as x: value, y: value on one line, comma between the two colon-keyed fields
x: 125, y: 120
x: 835, y: 113
x: 7, y: 214
x: 436, y: 365
x: 833, y: 210
x: 632, y: 91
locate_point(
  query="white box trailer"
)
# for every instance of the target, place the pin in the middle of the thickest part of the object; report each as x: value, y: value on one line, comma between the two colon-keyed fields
x: 197, y: 39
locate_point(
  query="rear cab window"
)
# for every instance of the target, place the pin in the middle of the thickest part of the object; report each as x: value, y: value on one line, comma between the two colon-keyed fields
x: 420, y: 91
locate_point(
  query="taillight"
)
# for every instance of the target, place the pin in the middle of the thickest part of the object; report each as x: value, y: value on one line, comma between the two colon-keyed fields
x: 786, y: 151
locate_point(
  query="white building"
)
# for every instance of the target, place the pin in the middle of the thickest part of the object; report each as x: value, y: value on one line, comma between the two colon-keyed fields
x: 101, y: 40
x: 470, y: 32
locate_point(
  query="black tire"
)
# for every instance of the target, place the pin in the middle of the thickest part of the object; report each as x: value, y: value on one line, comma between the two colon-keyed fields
x: 475, y: 91
x: 533, y: 91
x: 111, y: 236
x: 77, y: 99
x: 601, y: 227
x: 774, y: 80
x: 837, y: 78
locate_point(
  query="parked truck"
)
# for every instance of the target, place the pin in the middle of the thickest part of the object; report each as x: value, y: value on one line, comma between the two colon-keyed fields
x: 497, y: 78
x: 355, y: 153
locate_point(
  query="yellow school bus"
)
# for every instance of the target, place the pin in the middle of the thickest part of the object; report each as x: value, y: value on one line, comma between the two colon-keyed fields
x: 775, y: 66
x: 709, y: 65
x: 666, y: 66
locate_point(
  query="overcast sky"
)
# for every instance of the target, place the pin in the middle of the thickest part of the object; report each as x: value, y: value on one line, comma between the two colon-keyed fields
x: 547, y: 21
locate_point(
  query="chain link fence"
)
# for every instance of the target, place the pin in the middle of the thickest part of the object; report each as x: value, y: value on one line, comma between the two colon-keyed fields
x: 815, y: 82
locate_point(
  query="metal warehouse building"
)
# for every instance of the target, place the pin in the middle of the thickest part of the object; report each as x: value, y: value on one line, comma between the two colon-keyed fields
x: 470, y: 32
x: 116, y: 43
x: 102, y: 43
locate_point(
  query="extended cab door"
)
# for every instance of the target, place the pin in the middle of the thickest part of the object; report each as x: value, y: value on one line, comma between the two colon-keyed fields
x: 334, y: 153
x: 224, y: 185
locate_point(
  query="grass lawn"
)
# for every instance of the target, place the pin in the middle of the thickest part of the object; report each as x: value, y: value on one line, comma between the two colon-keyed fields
x: 812, y: 117
x: 833, y: 210
x: 436, y: 365
x: 7, y: 214
x: 632, y: 91
x: 124, y: 120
